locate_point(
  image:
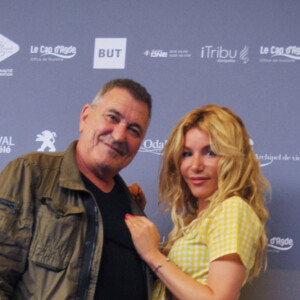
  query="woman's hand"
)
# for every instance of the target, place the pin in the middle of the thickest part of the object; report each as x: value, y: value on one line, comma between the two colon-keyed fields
x: 145, y: 236
x: 138, y: 195
x: 225, y: 275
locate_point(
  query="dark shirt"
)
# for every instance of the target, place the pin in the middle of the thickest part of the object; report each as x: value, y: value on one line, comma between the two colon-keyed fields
x: 121, y: 272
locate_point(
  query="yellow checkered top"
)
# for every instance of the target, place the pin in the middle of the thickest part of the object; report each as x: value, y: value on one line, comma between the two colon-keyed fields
x: 232, y: 227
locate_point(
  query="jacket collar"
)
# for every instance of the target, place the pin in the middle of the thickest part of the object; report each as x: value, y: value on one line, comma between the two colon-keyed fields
x: 70, y: 175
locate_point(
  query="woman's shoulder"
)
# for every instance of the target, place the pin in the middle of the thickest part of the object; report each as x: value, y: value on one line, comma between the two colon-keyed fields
x: 237, y: 206
x: 235, y: 201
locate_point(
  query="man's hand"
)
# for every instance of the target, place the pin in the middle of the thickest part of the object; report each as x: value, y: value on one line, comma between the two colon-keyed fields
x: 138, y: 195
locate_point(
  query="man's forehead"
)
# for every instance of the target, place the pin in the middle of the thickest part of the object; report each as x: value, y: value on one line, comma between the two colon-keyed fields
x: 121, y: 94
x: 120, y: 103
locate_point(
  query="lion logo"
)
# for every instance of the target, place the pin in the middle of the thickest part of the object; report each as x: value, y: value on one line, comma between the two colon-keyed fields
x: 48, y: 139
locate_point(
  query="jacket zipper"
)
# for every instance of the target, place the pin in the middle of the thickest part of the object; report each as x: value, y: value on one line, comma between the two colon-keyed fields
x: 88, y: 248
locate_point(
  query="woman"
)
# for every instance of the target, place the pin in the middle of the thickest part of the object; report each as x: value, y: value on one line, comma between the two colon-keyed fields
x: 212, y: 183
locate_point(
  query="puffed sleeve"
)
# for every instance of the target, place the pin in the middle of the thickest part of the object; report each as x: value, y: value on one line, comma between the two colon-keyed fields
x: 235, y: 228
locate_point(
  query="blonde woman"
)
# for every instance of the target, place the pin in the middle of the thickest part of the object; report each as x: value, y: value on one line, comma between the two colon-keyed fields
x: 212, y: 183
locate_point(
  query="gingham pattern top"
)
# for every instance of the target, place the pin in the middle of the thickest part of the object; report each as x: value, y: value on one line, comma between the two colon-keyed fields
x: 232, y: 227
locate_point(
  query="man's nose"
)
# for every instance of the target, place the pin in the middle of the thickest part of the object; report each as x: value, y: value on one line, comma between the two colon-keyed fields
x: 119, y: 133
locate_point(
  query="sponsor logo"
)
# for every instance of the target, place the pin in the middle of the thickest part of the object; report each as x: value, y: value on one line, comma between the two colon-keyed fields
x: 277, y: 244
x: 110, y: 53
x: 156, y: 53
x: 49, y: 53
x: 6, y: 72
x: 223, y: 55
x: 244, y: 55
x: 6, y: 144
x: 154, y: 147
x: 7, y: 48
x: 268, y: 159
x: 167, y: 53
x: 279, y: 54
x: 48, y: 139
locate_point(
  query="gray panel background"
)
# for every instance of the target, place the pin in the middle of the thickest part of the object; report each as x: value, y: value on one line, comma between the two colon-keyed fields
x: 50, y: 94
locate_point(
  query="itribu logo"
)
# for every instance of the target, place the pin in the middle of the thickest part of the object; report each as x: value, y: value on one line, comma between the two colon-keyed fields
x: 224, y: 55
x: 110, y: 53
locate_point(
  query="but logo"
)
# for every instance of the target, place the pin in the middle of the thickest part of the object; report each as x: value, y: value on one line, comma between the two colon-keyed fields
x: 109, y: 53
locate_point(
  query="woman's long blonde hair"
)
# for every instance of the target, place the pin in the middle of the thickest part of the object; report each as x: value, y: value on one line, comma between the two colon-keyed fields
x: 239, y: 173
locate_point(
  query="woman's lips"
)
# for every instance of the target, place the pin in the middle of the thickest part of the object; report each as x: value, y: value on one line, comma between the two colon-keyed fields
x: 198, y: 180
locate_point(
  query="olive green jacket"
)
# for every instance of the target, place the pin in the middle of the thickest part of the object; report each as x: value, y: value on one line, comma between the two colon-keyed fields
x: 45, y: 213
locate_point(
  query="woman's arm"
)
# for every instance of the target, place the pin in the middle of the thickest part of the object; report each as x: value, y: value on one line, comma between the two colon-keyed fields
x: 225, y: 275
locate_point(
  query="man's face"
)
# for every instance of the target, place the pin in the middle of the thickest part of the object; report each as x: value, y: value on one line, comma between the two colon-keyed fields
x: 111, y: 132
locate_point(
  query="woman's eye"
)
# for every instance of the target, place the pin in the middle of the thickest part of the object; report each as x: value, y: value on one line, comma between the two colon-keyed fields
x: 211, y: 153
x: 186, y: 154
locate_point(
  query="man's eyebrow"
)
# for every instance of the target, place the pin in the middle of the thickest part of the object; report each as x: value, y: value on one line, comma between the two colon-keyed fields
x: 116, y: 112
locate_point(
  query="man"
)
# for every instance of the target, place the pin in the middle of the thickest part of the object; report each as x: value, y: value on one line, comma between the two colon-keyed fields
x: 62, y: 229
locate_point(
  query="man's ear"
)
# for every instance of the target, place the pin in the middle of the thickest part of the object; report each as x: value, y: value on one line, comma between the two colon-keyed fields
x: 83, y: 116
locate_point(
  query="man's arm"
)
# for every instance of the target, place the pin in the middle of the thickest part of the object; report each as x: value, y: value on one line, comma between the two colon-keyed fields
x: 16, y: 219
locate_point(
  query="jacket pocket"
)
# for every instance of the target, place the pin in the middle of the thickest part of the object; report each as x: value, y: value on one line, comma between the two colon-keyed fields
x: 55, y: 235
x: 11, y: 241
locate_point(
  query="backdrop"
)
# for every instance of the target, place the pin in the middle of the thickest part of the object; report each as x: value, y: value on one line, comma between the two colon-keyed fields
x: 55, y: 56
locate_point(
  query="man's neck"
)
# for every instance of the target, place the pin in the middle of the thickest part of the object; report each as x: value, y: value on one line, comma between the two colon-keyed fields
x: 104, y: 186
x: 104, y: 183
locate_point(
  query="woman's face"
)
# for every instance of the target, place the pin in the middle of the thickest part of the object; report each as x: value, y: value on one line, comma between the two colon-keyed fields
x: 199, y: 165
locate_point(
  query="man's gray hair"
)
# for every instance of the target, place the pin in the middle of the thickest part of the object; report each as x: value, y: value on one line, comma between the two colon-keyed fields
x: 136, y: 90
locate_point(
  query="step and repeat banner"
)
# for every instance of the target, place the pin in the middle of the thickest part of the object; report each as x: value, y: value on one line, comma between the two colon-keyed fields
x: 56, y: 55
